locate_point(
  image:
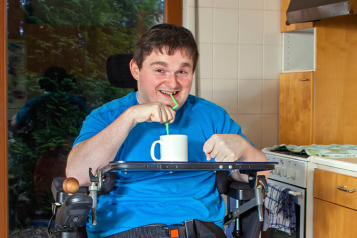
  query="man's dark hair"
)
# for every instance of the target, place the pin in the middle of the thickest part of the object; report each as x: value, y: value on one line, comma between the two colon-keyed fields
x: 167, y: 37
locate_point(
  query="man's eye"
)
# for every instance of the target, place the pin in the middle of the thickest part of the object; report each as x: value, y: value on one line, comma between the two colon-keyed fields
x: 159, y: 70
x: 182, y: 72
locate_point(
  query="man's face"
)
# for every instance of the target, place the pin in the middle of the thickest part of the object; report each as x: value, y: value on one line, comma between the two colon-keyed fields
x: 162, y: 74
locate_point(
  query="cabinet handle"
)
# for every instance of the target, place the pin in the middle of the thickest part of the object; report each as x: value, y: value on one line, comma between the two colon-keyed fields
x: 304, y: 79
x: 347, y: 191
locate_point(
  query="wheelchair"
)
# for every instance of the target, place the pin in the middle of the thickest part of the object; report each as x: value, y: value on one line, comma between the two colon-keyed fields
x: 73, y: 203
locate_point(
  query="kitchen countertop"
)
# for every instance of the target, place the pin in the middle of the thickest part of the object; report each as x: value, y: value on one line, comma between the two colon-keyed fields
x: 349, y: 163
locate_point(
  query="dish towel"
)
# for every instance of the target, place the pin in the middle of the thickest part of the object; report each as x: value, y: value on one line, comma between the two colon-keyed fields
x: 281, y: 206
x: 333, y: 150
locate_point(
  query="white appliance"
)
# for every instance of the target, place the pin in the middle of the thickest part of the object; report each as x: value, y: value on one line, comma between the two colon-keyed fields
x: 294, y: 171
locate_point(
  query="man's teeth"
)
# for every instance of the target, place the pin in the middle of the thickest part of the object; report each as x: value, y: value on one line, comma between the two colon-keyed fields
x: 168, y: 92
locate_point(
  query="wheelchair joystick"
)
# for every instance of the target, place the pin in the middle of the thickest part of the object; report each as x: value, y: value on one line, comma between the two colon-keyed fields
x: 70, y: 185
x: 71, y: 208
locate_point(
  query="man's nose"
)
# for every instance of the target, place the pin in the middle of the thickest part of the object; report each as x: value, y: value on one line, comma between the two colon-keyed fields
x: 171, y: 81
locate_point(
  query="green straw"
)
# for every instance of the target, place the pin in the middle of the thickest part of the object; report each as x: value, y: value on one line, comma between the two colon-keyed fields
x: 176, y: 105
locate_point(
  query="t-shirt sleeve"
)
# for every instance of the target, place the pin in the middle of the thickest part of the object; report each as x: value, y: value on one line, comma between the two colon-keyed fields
x: 95, y: 122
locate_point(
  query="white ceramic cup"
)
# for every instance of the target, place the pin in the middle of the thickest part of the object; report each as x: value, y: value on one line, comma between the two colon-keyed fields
x: 172, y: 148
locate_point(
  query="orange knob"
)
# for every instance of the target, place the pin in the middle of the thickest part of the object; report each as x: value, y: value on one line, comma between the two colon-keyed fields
x: 70, y: 185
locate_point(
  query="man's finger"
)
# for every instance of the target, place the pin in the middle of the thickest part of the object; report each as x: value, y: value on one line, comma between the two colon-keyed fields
x: 221, y: 158
x: 156, y: 115
x: 173, y: 114
x: 208, y: 156
x: 228, y: 159
x: 216, y: 152
x: 209, y: 145
x: 169, y: 114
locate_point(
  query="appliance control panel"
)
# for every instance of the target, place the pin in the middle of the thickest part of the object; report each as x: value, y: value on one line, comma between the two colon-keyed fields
x: 289, y: 171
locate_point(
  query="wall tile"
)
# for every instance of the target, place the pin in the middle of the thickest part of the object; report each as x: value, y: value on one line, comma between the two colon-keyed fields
x: 250, y: 96
x: 205, y: 21
x: 206, y: 89
x: 225, y: 26
x: 251, y: 4
x: 225, y: 3
x: 193, y: 88
x: 270, y: 130
x: 251, y: 26
x: 272, y: 5
x: 191, y: 19
x: 272, y: 61
x: 225, y: 61
x: 205, y: 60
x: 190, y: 3
x: 243, y: 78
x: 234, y: 117
x: 271, y: 96
x: 250, y: 62
x: 225, y: 94
x: 204, y: 3
x: 252, y: 128
x: 272, y: 33
x: 184, y: 16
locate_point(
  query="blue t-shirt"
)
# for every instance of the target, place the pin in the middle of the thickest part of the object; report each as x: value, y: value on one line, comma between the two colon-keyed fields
x: 144, y: 198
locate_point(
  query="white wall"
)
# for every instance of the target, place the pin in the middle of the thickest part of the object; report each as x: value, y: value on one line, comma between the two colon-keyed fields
x: 240, y: 47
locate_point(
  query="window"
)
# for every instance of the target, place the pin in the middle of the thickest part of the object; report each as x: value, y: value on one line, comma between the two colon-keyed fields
x: 67, y: 40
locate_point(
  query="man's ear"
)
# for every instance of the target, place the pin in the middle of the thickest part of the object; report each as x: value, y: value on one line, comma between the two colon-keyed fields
x: 134, y: 69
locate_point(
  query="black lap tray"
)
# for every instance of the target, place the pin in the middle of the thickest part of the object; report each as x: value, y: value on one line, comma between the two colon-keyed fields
x: 145, y: 166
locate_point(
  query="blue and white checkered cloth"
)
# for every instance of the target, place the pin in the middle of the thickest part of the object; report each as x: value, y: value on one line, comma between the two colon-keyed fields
x: 281, y: 206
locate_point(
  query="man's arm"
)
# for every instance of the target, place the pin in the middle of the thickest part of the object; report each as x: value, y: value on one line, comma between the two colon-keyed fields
x: 102, y: 148
x: 233, y: 147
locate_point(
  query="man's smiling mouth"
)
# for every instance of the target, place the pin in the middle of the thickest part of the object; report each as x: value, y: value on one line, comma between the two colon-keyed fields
x: 168, y: 93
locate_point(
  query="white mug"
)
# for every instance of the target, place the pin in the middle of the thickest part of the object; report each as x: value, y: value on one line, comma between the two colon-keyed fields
x: 172, y: 148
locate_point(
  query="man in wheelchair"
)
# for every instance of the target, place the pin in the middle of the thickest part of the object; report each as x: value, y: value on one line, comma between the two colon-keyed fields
x: 164, y: 62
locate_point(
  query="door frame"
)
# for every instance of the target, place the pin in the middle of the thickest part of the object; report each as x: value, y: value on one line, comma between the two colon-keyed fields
x: 173, y: 14
x: 4, y: 221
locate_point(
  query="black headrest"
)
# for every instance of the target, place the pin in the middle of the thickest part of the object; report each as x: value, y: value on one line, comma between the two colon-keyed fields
x: 118, y: 71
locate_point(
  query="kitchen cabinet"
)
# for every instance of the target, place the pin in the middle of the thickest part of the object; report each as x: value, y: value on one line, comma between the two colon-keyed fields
x: 336, y: 81
x: 296, y: 108
x: 333, y: 56
x: 299, y: 51
x: 293, y: 27
x: 335, y: 211
x: 296, y: 85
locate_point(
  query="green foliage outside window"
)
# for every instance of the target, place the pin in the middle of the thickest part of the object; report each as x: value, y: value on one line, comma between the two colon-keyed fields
x: 77, y: 35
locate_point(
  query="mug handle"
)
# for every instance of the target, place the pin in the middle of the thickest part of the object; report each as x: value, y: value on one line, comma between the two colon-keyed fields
x: 153, y: 147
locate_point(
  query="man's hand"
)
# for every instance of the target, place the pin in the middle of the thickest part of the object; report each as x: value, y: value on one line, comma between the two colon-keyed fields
x: 225, y: 147
x: 152, y: 112
x: 230, y: 148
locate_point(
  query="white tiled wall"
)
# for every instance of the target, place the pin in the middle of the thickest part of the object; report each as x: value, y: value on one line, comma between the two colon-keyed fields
x: 240, y: 48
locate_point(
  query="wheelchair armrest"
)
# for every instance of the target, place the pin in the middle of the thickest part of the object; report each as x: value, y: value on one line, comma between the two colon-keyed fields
x: 59, y: 194
x: 234, y: 189
x: 71, y: 211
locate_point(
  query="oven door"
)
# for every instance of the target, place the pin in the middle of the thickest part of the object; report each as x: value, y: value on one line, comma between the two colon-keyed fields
x: 299, y: 211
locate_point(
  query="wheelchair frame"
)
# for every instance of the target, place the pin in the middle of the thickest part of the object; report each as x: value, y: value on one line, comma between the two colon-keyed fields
x: 71, y: 210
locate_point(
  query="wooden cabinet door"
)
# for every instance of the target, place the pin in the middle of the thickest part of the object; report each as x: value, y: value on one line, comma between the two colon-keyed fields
x: 336, y: 81
x: 296, y: 108
x: 293, y: 27
x: 326, y: 184
x: 331, y: 220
